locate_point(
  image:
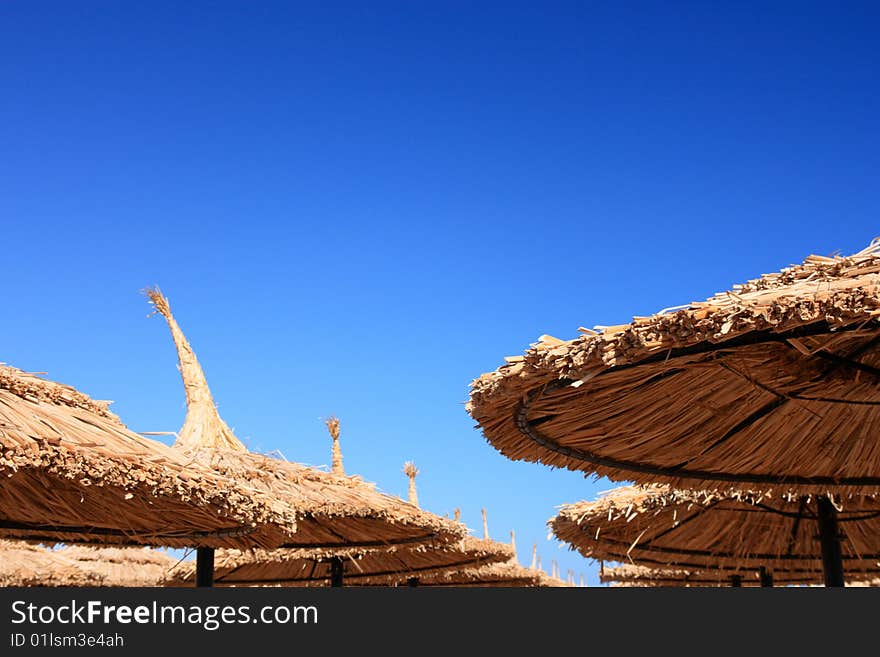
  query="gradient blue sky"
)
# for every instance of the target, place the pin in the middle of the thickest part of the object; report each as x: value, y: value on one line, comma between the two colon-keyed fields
x: 356, y: 208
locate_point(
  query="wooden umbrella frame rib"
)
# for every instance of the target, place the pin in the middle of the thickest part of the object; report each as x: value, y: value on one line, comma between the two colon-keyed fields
x: 68, y: 534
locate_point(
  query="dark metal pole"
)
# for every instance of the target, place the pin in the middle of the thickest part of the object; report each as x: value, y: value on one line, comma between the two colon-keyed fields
x: 336, y: 572
x: 736, y: 580
x: 205, y: 566
x: 766, y: 577
x: 829, y: 537
x: 412, y: 581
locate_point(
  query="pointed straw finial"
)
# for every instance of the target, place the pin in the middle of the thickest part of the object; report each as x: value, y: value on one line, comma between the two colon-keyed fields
x: 410, y: 470
x: 457, y: 514
x: 332, y: 423
x: 582, y: 583
x: 513, y: 541
x: 485, y: 525
x: 534, y: 557
x: 203, y: 426
x: 571, y: 577
x: 539, y: 562
x: 554, y: 569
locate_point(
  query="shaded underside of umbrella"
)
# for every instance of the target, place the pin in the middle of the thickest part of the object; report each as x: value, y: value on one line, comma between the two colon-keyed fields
x: 771, y: 385
x: 70, y: 471
x: 332, y: 510
x: 631, y: 575
x: 387, y: 567
x: 733, y: 531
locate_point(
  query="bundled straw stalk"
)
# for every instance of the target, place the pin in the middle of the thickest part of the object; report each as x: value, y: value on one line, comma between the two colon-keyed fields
x: 332, y: 510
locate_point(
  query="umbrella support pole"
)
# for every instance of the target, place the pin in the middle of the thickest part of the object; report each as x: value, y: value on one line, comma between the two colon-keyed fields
x: 736, y: 581
x: 412, y: 581
x: 336, y: 572
x: 829, y: 537
x: 766, y: 577
x: 204, y: 567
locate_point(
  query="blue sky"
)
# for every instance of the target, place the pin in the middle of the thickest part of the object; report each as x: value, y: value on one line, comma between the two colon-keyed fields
x: 357, y: 208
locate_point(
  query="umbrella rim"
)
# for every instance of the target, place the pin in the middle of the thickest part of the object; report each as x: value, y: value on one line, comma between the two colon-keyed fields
x: 819, y: 328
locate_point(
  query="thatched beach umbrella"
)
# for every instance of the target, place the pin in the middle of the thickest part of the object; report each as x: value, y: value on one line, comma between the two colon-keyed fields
x: 333, y: 511
x: 504, y: 574
x: 70, y: 471
x: 389, y: 566
x: 129, y: 566
x: 392, y: 566
x: 770, y: 386
x: 733, y: 533
x: 25, y: 564
x: 507, y: 574
x: 643, y: 576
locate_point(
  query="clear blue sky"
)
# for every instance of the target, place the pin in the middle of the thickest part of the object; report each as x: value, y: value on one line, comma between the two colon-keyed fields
x: 356, y: 208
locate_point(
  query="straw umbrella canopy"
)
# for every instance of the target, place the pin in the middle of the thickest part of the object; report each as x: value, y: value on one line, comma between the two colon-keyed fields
x: 507, y: 574
x: 70, y: 471
x: 25, y: 564
x: 735, y: 533
x: 390, y: 566
x: 632, y: 575
x: 333, y: 510
x: 360, y: 567
x: 127, y: 566
x: 496, y: 575
x: 772, y: 385
x: 22, y: 564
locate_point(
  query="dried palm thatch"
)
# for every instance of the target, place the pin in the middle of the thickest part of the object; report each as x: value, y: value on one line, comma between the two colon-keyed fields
x: 390, y: 566
x: 129, y: 566
x: 70, y: 471
x: 771, y: 385
x: 333, y: 427
x: 203, y: 427
x: 411, y: 471
x: 508, y: 574
x: 332, y: 510
x: 361, y: 567
x: 22, y: 564
x: 731, y: 532
x: 631, y: 575
x: 504, y: 574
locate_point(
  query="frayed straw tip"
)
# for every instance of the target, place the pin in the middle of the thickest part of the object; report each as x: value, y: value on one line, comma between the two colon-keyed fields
x: 155, y: 297
x: 332, y: 423
x: 410, y: 469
